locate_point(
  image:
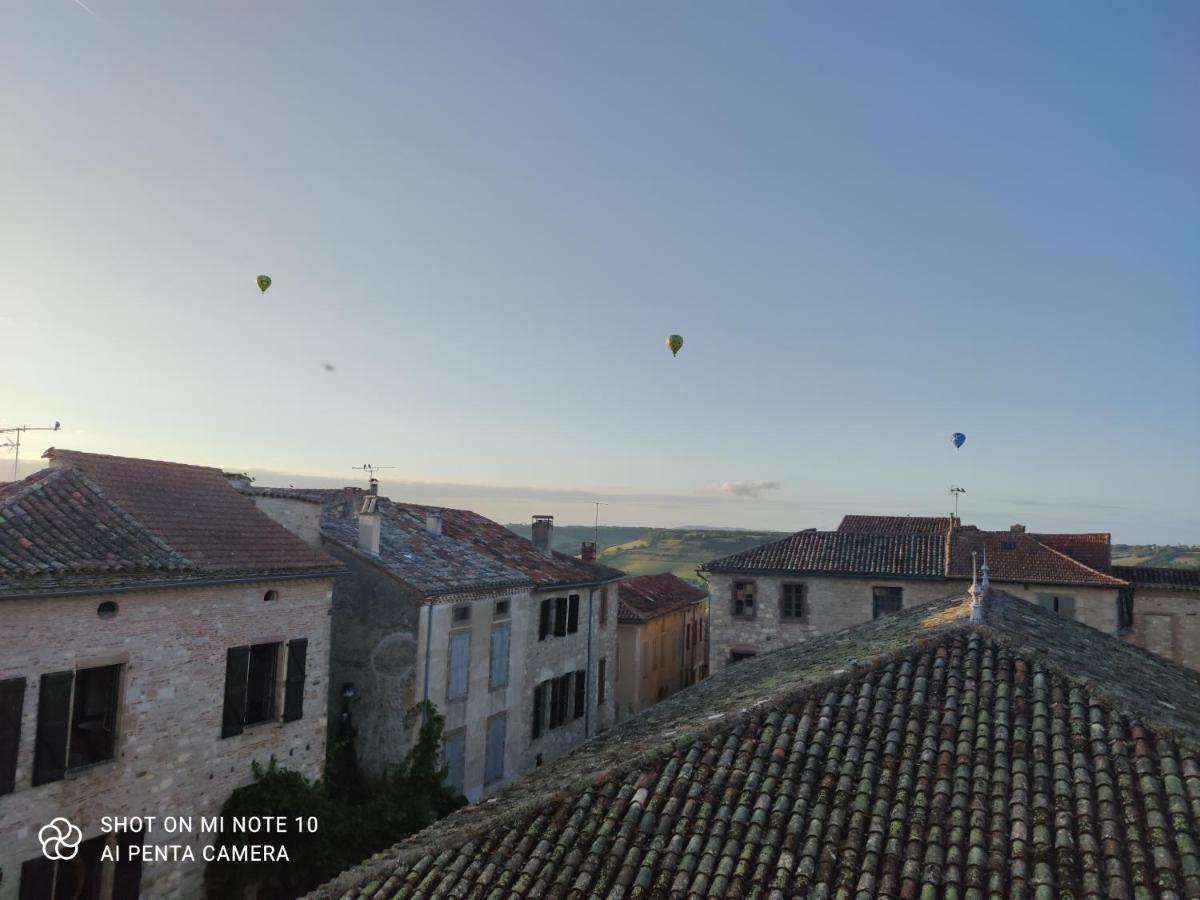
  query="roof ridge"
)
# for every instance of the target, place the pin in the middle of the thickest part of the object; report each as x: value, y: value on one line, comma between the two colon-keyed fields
x: 53, y: 453
x: 1117, y: 582
x: 36, y: 481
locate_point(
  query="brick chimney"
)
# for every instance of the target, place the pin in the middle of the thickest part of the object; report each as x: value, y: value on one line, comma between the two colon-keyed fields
x: 543, y: 532
x: 588, y: 553
x: 1017, y: 529
x: 368, y: 525
x: 433, y: 521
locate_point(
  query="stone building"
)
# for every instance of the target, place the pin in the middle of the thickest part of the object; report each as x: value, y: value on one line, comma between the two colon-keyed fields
x: 158, y: 635
x: 1160, y: 610
x: 952, y: 750
x: 662, y: 640
x: 512, y: 642
x: 814, y: 582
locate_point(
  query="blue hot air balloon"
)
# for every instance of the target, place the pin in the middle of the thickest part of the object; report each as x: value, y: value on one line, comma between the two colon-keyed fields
x: 959, y: 439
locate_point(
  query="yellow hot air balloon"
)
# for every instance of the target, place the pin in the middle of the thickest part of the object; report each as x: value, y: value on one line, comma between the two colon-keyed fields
x: 264, y: 282
x: 674, y: 342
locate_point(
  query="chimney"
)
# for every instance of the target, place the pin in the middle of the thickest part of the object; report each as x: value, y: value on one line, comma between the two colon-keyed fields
x: 433, y: 521
x: 368, y: 525
x: 1017, y: 529
x: 588, y: 553
x: 543, y: 531
x: 373, y: 490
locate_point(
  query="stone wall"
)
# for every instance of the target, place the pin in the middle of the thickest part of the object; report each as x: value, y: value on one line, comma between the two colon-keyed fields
x: 169, y: 758
x: 1168, y: 623
x: 656, y: 660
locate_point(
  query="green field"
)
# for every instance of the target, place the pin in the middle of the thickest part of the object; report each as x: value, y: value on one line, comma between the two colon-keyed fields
x: 1178, y: 557
x: 644, y: 551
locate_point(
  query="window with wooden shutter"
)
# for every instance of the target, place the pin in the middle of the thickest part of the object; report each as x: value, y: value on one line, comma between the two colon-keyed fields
x: 555, y: 702
x: 293, y: 693
x: 499, y: 659
x: 12, y: 703
x: 93, y: 716
x: 233, y: 717
x: 493, y: 766
x: 564, y: 698
x: 580, y: 693
x: 37, y: 879
x: 743, y: 599
x: 886, y: 600
x: 456, y: 759
x: 261, y: 678
x: 539, y: 701
x: 460, y: 665
x: 544, y: 623
x: 604, y: 606
x: 573, y: 614
x: 560, y: 616
x: 127, y: 877
x: 53, y: 726
x: 602, y: 677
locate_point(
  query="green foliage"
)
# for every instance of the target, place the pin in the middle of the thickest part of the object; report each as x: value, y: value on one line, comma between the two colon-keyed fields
x: 1177, y: 557
x: 680, y: 550
x: 357, y: 816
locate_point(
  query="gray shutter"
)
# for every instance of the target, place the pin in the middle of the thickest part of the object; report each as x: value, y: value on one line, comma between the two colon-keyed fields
x: 580, y: 693
x: 233, y: 718
x: 1046, y: 602
x: 560, y: 616
x: 37, y: 879
x: 494, y: 764
x: 499, y: 658
x: 573, y: 614
x: 538, y: 701
x: 54, y: 715
x: 1066, y: 607
x: 293, y: 695
x: 544, y: 626
x: 12, y: 703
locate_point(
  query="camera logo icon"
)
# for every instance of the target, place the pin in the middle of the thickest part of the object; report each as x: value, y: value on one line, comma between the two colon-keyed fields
x: 60, y: 839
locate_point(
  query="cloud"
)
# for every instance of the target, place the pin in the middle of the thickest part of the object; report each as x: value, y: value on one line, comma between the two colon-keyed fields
x: 747, y: 488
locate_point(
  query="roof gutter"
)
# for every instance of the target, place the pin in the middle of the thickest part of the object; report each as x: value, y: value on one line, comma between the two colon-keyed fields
x: 159, y: 585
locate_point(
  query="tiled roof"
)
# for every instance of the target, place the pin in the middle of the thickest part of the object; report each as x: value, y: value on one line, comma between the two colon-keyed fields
x: 436, y: 564
x: 1093, y: 550
x: 196, y: 512
x: 56, y: 524
x: 645, y: 597
x: 919, y: 555
x: 914, y: 756
x: 896, y: 524
x: 1018, y: 557
x: 515, y: 551
x: 1159, y: 577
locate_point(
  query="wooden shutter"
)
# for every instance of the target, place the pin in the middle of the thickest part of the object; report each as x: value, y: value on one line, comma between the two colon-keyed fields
x: 53, y: 722
x: 564, y: 698
x: 560, y: 616
x: 544, y: 623
x: 12, y: 703
x: 1046, y: 601
x: 573, y: 614
x: 293, y: 693
x: 499, y: 657
x: 601, y: 679
x: 580, y: 693
x: 37, y: 878
x: 237, y: 663
x: 127, y: 877
x: 538, y: 701
x: 1066, y: 607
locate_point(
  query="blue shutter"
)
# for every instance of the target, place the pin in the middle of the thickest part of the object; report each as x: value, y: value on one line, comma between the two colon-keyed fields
x: 494, y: 766
x: 499, y: 660
x: 460, y: 665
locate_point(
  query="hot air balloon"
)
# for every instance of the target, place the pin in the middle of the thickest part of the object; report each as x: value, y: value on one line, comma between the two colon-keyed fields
x: 959, y: 439
x: 674, y: 342
x: 264, y: 282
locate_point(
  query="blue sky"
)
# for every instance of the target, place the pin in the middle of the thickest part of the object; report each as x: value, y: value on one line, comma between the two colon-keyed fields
x: 874, y: 225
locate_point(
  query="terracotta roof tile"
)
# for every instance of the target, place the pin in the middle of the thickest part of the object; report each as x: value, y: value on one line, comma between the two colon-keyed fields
x: 913, y: 756
x: 896, y: 524
x: 1093, y: 550
x: 918, y: 554
x: 1018, y: 557
x: 1160, y: 577
x: 645, y: 597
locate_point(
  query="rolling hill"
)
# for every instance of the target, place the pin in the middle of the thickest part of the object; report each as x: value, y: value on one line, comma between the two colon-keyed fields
x: 1178, y: 557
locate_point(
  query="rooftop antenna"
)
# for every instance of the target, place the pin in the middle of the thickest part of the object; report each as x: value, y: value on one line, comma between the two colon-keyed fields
x: 956, y: 490
x: 598, y: 504
x: 15, y: 442
x: 371, y: 470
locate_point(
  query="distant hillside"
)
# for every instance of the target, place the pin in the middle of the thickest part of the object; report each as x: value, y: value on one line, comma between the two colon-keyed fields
x: 1179, y: 557
x: 641, y: 551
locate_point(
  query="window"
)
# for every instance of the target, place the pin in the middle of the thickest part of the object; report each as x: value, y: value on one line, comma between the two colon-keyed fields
x: 493, y: 765
x: 12, y: 702
x: 580, y: 693
x: 293, y: 691
x: 1058, y: 603
x: 560, y: 616
x: 603, y: 607
x: 1124, y: 623
x: 743, y: 599
x: 107, y: 609
x: 461, y: 614
x: 885, y: 600
x: 270, y: 596
x: 83, y: 876
x: 552, y: 703
x: 460, y: 665
x: 791, y: 602
x: 500, y: 610
x: 573, y: 614
x: 602, y: 677
x: 250, y: 675
x: 455, y: 749
x: 736, y: 656
x: 539, y: 710
x: 499, y: 659
x: 545, y: 621
x: 77, y: 721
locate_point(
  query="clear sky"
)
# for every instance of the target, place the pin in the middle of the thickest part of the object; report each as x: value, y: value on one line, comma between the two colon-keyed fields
x: 874, y: 225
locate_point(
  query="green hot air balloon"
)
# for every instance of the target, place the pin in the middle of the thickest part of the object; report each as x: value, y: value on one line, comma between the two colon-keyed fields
x: 264, y: 282
x: 674, y: 342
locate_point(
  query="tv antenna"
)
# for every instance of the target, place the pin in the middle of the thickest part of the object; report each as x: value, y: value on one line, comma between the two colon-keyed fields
x: 598, y: 504
x: 956, y: 490
x: 371, y: 470
x: 15, y: 442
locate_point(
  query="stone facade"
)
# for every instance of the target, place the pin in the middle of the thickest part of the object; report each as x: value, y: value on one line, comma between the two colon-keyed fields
x: 1168, y: 623
x: 169, y: 756
x: 658, y: 658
